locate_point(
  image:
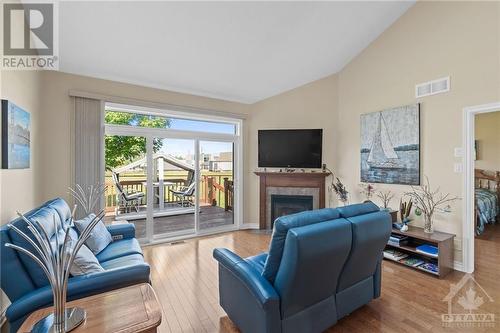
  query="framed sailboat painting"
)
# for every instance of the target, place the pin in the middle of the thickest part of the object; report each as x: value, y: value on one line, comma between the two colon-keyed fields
x: 390, y: 146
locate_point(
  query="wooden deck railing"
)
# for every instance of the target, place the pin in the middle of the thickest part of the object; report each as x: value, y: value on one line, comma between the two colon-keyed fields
x: 216, y: 190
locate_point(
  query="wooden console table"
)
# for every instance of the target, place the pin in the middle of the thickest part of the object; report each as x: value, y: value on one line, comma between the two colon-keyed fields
x: 130, y: 309
x: 442, y: 240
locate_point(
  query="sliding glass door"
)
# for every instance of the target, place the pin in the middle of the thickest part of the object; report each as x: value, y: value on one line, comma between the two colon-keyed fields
x: 174, y: 187
x: 126, y: 175
x: 171, y: 177
x: 216, y: 184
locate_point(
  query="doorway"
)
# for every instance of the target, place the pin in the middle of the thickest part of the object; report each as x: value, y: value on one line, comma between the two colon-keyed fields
x: 472, y: 182
x: 173, y: 175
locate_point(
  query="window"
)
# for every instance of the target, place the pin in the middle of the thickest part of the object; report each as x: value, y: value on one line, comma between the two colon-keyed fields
x: 114, y: 117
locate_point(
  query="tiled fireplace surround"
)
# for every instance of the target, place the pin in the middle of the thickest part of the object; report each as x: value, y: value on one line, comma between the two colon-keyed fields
x: 282, y: 183
x: 291, y: 191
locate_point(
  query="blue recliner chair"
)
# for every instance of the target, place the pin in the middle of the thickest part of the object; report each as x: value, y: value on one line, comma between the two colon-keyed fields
x: 26, y: 285
x: 321, y: 266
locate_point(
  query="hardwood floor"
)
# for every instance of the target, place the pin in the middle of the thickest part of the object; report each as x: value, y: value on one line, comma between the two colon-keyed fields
x: 184, y: 277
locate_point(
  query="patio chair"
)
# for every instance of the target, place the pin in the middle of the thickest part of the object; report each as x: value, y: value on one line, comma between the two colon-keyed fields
x: 126, y: 199
x: 185, y: 195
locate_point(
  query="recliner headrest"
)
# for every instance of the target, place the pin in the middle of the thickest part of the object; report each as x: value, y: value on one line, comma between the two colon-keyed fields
x: 358, y: 209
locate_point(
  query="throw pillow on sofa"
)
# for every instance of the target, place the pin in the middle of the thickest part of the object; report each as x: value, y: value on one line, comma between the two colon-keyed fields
x: 99, y: 237
x: 85, y: 263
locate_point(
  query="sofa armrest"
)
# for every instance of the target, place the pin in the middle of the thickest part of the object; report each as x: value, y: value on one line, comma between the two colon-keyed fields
x: 121, y: 231
x: 260, y: 287
x: 377, y: 278
x: 79, y: 287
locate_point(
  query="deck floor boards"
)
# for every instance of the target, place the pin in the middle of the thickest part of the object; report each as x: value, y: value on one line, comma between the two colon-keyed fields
x: 210, y: 217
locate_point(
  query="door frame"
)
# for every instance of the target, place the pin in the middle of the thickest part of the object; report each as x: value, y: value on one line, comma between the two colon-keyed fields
x: 167, y: 133
x: 468, y: 225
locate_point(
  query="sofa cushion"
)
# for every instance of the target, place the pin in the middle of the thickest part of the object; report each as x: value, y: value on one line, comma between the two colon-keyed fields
x: 99, y: 237
x: 14, y: 279
x: 281, y: 227
x: 258, y: 261
x: 358, y: 209
x: 54, y: 210
x: 120, y: 248
x: 130, y: 260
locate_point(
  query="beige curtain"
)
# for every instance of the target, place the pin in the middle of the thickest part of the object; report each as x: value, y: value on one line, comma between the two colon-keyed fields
x: 89, y: 144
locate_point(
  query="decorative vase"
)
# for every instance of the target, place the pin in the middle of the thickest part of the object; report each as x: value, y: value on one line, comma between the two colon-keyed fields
x: 345, y: 202
x: 404, y: 227
x: 428, y: 224
x: 55, y: 258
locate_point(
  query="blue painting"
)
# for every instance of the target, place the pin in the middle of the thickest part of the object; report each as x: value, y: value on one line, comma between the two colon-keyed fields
x: 390, y: 146
x: 15, y: 137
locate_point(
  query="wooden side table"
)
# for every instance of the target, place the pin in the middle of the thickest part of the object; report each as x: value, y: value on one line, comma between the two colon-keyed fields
x: 126, y: 310
x: 442, y: 240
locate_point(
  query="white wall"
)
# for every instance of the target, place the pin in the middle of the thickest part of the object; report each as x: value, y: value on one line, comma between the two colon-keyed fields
x: 311, y: 106
x: 19, y: 186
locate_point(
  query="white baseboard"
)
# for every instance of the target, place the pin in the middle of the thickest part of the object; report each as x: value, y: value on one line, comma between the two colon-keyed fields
x: 458, y: 266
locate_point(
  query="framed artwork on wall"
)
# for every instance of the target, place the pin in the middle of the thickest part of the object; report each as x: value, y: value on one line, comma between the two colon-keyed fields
x: 16, y: 129
x: 390, y: 146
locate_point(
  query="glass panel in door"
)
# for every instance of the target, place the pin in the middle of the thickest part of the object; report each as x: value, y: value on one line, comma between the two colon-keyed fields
x: 126, y: 179
x: 174, y: 187
x: 216, y: 199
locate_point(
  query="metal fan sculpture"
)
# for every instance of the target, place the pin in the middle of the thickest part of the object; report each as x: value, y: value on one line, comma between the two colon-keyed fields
x: 55, y: 258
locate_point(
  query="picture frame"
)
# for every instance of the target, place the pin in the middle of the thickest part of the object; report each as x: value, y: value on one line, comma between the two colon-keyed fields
x: 390, y: 146
x: 16, y: 136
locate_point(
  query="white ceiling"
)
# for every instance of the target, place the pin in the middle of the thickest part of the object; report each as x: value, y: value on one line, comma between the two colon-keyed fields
x: 239, y: 51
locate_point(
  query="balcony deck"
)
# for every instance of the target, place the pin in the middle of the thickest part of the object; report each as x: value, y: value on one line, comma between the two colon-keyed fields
x: 210, y: 217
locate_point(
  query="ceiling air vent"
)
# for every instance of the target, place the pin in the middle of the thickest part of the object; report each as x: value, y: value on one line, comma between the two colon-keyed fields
x: 432, y: 87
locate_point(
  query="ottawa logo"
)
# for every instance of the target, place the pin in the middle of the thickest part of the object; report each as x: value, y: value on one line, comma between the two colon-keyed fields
x: 464, y: 305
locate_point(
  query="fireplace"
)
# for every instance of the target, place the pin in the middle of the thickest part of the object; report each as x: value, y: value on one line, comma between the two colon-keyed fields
x: 282, y: 205
x: 290, y: 188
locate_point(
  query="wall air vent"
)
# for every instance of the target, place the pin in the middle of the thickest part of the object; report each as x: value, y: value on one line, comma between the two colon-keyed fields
x: 432, y: 87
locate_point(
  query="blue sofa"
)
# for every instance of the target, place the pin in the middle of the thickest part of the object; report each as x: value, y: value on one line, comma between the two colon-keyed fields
x: 27, y: 287
x: 321, y: 266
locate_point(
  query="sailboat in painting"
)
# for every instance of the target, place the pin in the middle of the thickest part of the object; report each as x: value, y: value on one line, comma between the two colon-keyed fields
x: 382, y: 154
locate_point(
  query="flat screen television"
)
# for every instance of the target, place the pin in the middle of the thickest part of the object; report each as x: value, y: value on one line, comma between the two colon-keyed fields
x: 291, y: 148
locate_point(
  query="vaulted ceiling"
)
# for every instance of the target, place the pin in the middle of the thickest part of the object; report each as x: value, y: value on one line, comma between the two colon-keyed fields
x: 239, y: 51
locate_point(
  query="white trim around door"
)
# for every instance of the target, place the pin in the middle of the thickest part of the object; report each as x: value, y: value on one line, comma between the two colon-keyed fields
x: 468, y: 225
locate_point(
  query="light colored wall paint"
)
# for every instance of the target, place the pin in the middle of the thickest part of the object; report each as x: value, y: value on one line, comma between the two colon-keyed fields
x: 19, y: 186
x: 432, y: 40
x: 384, y: 75
x: 311, y: 106
x: 58, y: 109
x: 487, y: 134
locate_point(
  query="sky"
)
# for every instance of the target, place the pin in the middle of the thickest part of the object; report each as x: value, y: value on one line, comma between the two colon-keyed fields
x: 183, y: 147
x: 202, y: 126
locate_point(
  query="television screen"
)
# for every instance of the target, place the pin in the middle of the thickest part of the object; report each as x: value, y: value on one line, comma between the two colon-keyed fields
x: 298, y: 148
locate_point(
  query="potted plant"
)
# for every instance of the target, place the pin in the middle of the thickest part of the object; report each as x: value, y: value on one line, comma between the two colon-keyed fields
x: 386, y: 197
x: 429, y: 201
x: 340, y: 190
x: 367, y: 190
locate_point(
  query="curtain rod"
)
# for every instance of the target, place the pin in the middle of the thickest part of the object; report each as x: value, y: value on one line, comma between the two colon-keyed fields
x: 154, y: 105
